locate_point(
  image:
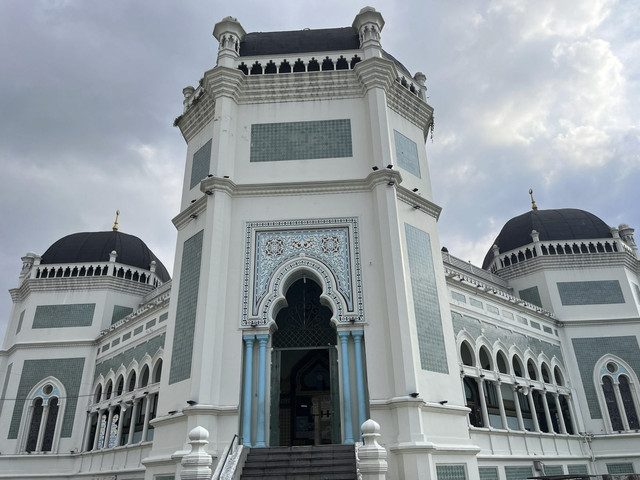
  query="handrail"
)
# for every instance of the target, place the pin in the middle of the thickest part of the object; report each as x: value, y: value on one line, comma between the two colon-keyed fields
x: 226, y: 457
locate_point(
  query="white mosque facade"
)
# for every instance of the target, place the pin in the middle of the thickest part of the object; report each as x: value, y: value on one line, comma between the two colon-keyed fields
x: 310, y: 293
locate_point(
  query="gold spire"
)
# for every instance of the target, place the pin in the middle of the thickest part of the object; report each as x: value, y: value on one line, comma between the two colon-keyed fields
x: 115, y: 224
x: 533, y: 202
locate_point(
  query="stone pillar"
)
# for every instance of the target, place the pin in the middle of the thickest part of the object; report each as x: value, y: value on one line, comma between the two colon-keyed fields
x: 516, y: 397
x: 132, y: 424
x: 262, y: 385
x: 503, y: 414
x: 145, y: 428
x: 346, y: 387
x: 572, y: 415
x: 107, y: 429
x: 248, y: 393
x: 616, y: 391
x: 534, y: 415
x: 96, y: 437
x: 357, y: 341
x: 196, y: 465
x: 483, y: 403
x: 43, y: 426
x: 373, y: 463
x: 123, y: 409
x: 563, y: 427
x: 547, y: 413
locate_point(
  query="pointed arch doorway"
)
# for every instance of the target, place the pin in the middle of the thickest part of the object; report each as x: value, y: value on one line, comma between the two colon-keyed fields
x: 305, y: 401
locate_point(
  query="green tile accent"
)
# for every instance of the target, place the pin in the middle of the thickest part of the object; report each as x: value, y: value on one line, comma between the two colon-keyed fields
x: 547, y: 329
x: 425, y: 301
x: 137, y: 330
x: 200, y: 164
x: 518, y: 473
x: 589, y: 350
x: 553, y: 470
x: 475, y: 303
x: 62, y: 316
x: 451, y: 472
x: 458, y: 296
x: 165, y: 477
x: 488, y: 473
x: 119, y: 312
x: 115, y: 342
x: 136, y: 353
x: 271, y: 142
x: 619, y: 468
x: 578, y: 469
x: 67, y: 370
x: 20, y: 320
x: 531, y: 295
x: 105, y: 347
x: 535, y: 325
x: 163, y: 317
x: 126, y: 336
x: 407, y: 154
x: 150, y: 323
x: 182, y: 352
x: 5, y: 385
x: 601, y: 292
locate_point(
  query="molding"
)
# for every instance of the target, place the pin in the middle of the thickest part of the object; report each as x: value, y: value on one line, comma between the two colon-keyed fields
x: 413, y: 199
x: 196, y: 208
x: 197, y: 116
x: 211, y: 410
x: 447, y: 409
x: 431, y: 448
x: 56, y: 344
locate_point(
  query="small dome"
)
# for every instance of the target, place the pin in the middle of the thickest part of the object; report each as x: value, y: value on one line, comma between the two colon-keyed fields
x: 559, y: 224
x: 96, y: 247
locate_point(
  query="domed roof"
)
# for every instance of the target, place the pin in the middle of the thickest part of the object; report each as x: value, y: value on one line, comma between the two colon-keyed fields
x: 96, y: 247
x: 558, y: 224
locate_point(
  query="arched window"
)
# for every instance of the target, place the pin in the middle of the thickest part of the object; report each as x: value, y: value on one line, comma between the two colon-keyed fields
x: 546, y: 374
x: 144, y: 376
x: 532, y: 370
x: 501, y: 360
x: 618, y: 393
x: 132, y: 381
x: 466, y: 354
x: 557, y: 374
x: 120, y: 385
x: 108, y: 390
x: 485, y: 358
x: 98, y: 395
x: 42, y: 417
x: 157, y: 371
x: 517, y: 366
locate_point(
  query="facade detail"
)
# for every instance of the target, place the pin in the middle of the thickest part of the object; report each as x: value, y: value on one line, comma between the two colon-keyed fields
x: 312, y: 307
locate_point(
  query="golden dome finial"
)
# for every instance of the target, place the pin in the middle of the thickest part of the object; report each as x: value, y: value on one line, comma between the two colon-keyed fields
x: 115, y: 224
x: 533, y: 202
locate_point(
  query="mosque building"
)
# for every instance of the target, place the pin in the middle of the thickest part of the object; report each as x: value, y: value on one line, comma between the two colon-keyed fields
x: 310, y: 293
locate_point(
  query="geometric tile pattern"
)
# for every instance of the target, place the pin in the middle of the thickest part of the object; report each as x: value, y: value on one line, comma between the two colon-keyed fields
x: 60, y: 316
x: 578, y: 469
x: 535, y: 325
x: 619, y: 468
x: 553, y: 470
x: 272, y: 142
x: 451, y: 472
x: 531, y: 295
x: 458, y: 296
x: 407, y: 154
x: 182, y: 353
x: 138, y: 330
x: 602, y: 292
x: 200, y: 164
x: 67, y: 370
x: 119, y: 312
x: 150, y: 323
x: 425, y: 301
x: 589, y: 350
x: 136, y: 353
x: 163, y: 317
x: 518, y: 473
x: 488, y: 473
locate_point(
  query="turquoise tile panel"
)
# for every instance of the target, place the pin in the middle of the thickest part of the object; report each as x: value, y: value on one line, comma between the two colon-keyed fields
x: 458, y: 296
x: 138, y: 330
x: 67, y: 370
x: 5, y: 385
x: 553, y: 470
x: 163, y: 317
x: 407, y: 154
x: 451, y: 472
x: 62, y: 316
x: 589, y: 350
x: 535, y: 325
x: 150, y: 323
x: 531, y: 295
x: 200, y: 164
x: 271, y: 142
x: 126, y: 336
x: 475, y: 303
x: 518, y: 473
x: 20, y: 320
x: 620, y: 468
x: 115, y: 342
x: 488, y: 473
x: 119, y: 312
x: 136, y: 353
x: 578, y: 469
x: 600, y: 292
x: 182, y: 352
x: 425, y: 301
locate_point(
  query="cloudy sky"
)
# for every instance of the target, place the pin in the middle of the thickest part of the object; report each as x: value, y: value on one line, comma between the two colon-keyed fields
x: 542, y: 94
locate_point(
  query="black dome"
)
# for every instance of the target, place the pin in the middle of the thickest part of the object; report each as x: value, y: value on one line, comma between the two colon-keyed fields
x: 96, y: 247
x: 560, y: 224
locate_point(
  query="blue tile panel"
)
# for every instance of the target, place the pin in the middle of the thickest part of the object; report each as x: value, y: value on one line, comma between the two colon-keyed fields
x: 125, y: 358
x: 475, y: 303
x: 163, y: 317
x: 20, y: 320
x: 126, y: 336
x: 200, y: 164
x: 578, y: 469
x: 150, y: 323
x: 182, y: 353
x: 407, y: 154
x: 553, y: 470
x: 5, y: 385
x: 535, y: 325
x: 589, y: 350
x: 115, y: 342
x: 458, y: 296
x: 493, y: 333
x: 61, y: 316
x: 518, y: 473
x: 531, y: 295
x: 451, y: 472
x: 547, y: 329
x: 619, y: 468
x: 600, y: 292
x: 271, y: 142
x: 119, y: 312
x: 488, y: 473
x: 105, y: 347
x: 425, y: 301
x: 138, y: 330
x: 67, y: 370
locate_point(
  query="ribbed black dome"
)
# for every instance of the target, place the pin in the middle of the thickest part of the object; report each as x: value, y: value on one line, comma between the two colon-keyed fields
x: 96, y: 247
x: 559, y: 224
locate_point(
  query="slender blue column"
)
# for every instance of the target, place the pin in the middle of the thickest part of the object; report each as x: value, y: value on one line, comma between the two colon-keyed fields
x: 248, y: 383
x: 357, y: 343
x: 346, y: 388
x: 262, y: 377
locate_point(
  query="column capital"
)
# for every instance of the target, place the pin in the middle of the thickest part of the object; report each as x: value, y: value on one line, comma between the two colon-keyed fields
x: 357, y: 334
x: 344, y: 334
x: 248, y: 338
x: 263, y: 337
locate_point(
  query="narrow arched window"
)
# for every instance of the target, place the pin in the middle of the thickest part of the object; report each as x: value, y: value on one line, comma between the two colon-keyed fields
x: 466, y: 354
x: 50, y: 426
x: 627, y: 402
x: 157, y: 372
x: 132, y: 381
x: 120, y: 385
x: 517, y: 367
x: 485, y: 359
x: 612, y: 404
x: 144, y: 377
x: 34, y: 426
x: 532, y: 370
x: 501, y: 360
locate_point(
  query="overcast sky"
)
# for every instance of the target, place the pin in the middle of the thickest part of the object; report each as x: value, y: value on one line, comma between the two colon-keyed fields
x: 542, y: 94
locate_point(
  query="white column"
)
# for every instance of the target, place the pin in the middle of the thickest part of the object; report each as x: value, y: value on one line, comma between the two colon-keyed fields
x: 483, y: 403
x: 107, y: 429
x: 503, y: 415
x: 547, y: 413
x: 534, y: 415
x: 97, y: 435
x: 147, y: 405
x: 572, y: 415
x: 623, y: 412
x: 563, y: 428
x: 516, y: 397
x: 43, y: 425
x: 120, y: 424
x: 87, y: 431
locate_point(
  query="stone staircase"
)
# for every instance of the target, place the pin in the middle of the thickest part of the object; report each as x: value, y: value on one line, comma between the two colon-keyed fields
x: 322, y: 462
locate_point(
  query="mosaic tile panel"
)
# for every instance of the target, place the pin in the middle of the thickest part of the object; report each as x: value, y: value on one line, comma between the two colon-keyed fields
x: 578, y: 469
x: 518, y: 473
x: 553, y: 470
x: 535, y: 325
x: 407, y: 154
x: 475, y: 303
x: 150, y: 323
x: 67, y: 370
x: 492, y: 332
x: 5, y: 385
x: 125, y: 358
x: 163, y: 317
x: 547, y: 329
x: 200, y: 164
x: 62, y: 316
x: 115, y: 342
x: 182, y: 353
x: 531, y: 295
x: 119, y: 312
x: 20, y: 320
x: 488, y: 473
x: 601, y: 292
x: 138, y: 330
x: 105, y: 347
x: 272, y: 142
x: 425, y: 301
x: 619, y: 468
x: 451, y: 472
x: 126, y: 336
x: 589, y: 350
x: 493, y: 309
x: 459, y: 297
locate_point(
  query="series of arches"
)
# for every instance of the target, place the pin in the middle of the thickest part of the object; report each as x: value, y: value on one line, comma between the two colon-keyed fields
x: 124, y: 403
x: 94, y: 271
x: 312, y: 65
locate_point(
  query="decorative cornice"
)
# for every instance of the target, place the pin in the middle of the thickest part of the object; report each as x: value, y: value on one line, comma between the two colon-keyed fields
x: 410, y: 198
x: 45, y: 344
x: 224, y: 82
x: 197, y: 116
x: 192, y: 212
x: 376, y: 72
x: 409, y: 106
